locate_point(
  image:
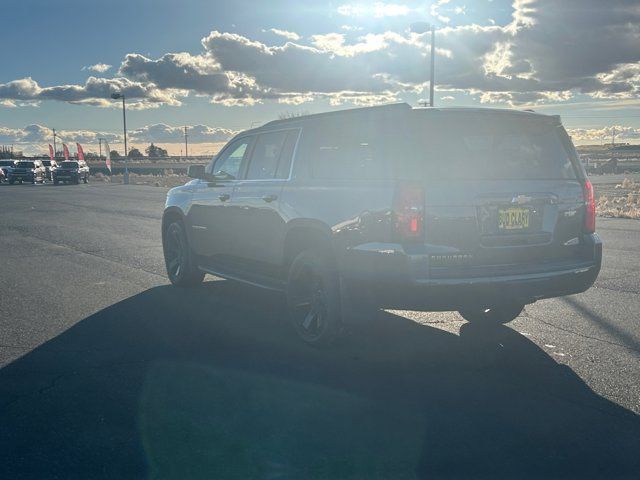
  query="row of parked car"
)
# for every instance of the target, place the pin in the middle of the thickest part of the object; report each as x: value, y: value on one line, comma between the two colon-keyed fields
x: 39, y: 171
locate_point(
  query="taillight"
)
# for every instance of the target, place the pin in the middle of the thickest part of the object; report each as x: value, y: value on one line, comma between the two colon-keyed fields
x: 589, y: 208
x: 408, y: 208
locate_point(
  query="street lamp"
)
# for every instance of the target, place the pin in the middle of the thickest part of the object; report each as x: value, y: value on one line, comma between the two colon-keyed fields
x: 423, y: 27
x: 117, y: 96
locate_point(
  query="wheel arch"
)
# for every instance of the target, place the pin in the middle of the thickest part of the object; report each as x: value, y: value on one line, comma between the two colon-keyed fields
x: 303, y: 235
x: 170, y: 215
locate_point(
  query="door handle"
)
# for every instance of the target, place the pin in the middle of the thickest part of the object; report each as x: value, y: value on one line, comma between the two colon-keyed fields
x: 224, y: 197
x: 270, y: 198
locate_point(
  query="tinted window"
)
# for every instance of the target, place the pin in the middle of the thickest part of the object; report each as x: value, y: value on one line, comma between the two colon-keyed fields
x: 349, y: 150
x: 284, y: 166
x: 228, y: 165
x: 69, y: 164
x: 25, y: 165
x: 272, y: 155
x: 46, y: 163
x: 484, y: 147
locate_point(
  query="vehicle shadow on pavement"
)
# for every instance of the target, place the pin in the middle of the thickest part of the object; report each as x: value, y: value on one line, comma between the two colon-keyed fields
x: 210, y: 383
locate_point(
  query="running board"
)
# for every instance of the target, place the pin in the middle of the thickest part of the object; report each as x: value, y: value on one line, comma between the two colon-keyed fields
x: 265, y: 283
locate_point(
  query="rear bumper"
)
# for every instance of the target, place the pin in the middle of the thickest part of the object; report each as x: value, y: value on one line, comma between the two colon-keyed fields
x: 25, y: 177
x: 400, y: 280
x: 66, y: 176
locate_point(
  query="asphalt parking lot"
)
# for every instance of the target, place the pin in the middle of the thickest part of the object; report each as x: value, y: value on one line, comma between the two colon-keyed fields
x: 106, y: 371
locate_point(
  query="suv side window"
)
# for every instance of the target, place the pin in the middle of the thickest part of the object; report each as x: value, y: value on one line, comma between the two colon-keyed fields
x: 230, y: 161
x: 271, y: 157
x: 346, y: 151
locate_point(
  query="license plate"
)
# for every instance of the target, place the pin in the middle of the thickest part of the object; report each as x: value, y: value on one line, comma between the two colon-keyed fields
x: 513, y: 218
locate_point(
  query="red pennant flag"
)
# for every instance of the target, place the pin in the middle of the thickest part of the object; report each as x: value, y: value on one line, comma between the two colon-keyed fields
x: 65, y: 149
x: 80, y: 152
x: 108, y: 156
x: 51, y: 155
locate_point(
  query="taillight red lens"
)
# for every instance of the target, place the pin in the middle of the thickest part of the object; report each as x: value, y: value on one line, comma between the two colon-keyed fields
x: 590, y: 208
x: 408, y: 207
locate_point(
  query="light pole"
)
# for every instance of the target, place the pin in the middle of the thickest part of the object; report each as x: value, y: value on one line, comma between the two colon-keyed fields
x: 423, y: 27
x: 55, y: 152
x: 117, y: 96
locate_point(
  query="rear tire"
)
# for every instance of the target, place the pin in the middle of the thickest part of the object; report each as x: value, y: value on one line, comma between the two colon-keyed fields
x: 181, y: 268
x: 313, y: 298
x: 493, y: 314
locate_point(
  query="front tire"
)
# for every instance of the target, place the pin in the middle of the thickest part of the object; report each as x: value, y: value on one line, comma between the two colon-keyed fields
x: 181, y: 268
x: 313, y: 298
x: 493, y: 314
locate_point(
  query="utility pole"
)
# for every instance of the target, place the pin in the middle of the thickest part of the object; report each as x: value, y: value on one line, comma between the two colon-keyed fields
x: 186, y: 152
x: 433, y: 65
x: 613, y: 137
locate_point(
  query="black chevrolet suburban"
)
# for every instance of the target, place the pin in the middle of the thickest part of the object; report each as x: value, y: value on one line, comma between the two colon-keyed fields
x: 476, y: 210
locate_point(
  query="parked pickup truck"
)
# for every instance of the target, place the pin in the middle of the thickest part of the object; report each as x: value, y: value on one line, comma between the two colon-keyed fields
x: 481, y: 211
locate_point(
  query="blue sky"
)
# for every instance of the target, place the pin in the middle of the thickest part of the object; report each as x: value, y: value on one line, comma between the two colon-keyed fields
x: 223, y: 66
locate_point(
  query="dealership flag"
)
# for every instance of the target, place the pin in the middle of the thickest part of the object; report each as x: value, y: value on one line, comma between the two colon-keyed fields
x: 50, y: 152
x: 80, y: 152
x: 65, y: 149
x: 108, y: 156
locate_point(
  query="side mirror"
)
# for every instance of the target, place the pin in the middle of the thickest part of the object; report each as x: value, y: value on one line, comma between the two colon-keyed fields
x: 195, y: 171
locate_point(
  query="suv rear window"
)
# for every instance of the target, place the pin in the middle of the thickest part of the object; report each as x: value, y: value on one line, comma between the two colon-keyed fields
x: 485, y: 147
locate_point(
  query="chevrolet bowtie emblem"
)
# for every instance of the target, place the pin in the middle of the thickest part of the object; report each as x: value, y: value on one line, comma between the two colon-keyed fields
x: 520, y: 199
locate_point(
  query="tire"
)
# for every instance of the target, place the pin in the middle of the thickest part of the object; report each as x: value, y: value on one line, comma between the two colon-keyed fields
x: 76, y: 181
x: 11, y: 182
x: 495, y: 314
x: 85, y: 179
x: 313, y: 298
x: 56, y: 182
x: 181, y: 268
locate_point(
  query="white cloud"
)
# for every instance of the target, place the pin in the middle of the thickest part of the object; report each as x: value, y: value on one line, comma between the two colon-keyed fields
x: 98, y: 67
x: 435, y: 11
x: 162, y: 133
x: 598, y: 135
x: 284, y: 33
x: 33, y: 139
x: 95, y: 91
x: 550, y: 51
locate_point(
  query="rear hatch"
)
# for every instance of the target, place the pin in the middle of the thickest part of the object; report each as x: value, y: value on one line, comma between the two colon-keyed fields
x: 503, y: 192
